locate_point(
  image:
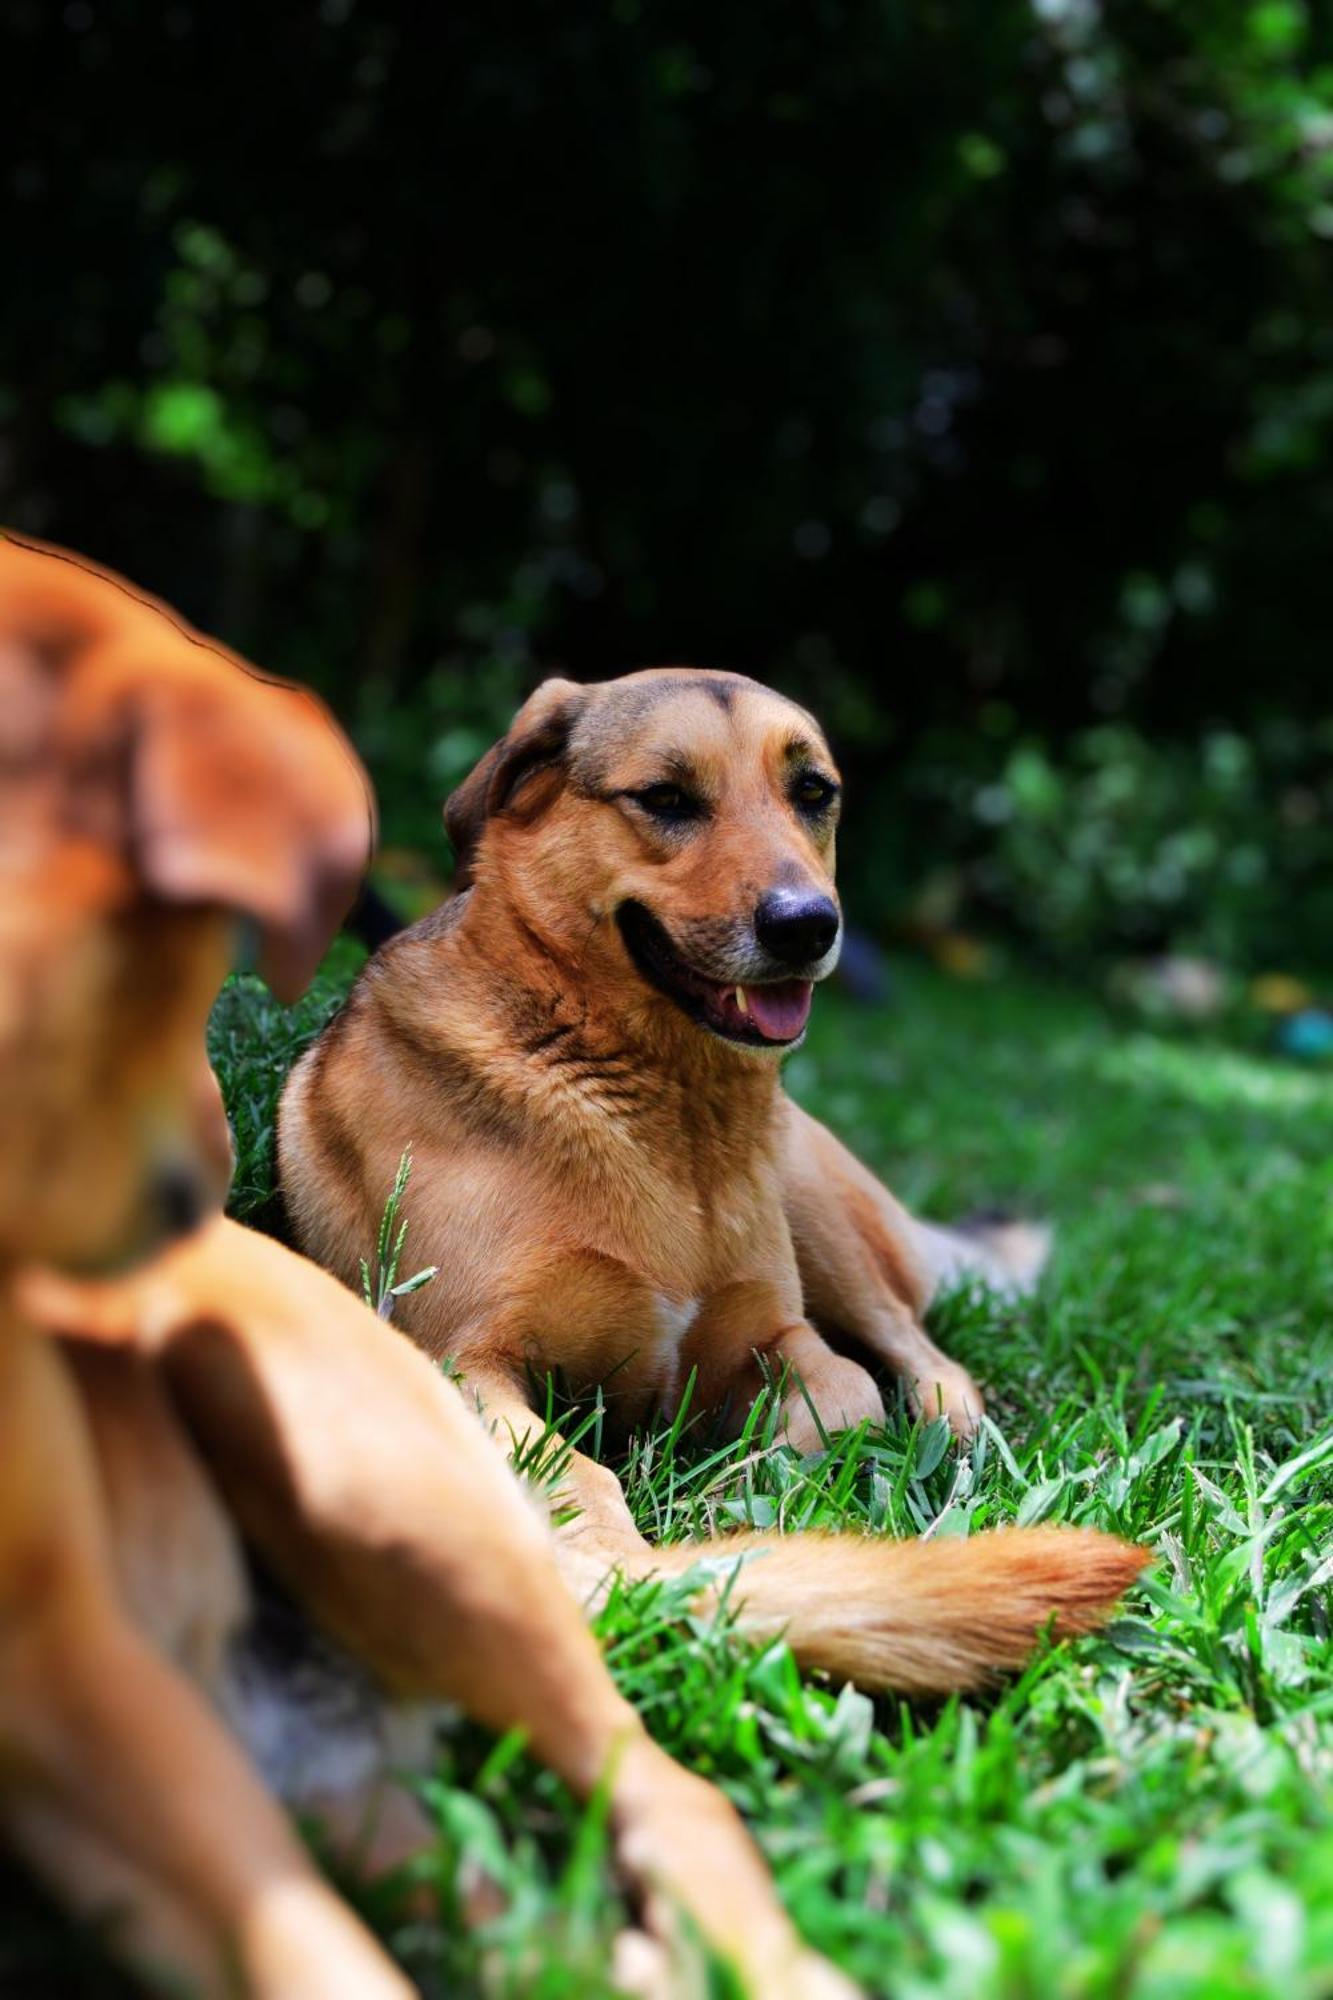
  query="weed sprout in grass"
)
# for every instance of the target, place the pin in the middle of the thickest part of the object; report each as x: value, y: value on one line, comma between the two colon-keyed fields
x: 381, y: 1286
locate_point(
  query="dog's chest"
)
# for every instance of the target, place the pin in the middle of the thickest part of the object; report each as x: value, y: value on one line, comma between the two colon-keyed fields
x: 689, y: 1224
x: 689, y: 1242
x: 673, y: 1317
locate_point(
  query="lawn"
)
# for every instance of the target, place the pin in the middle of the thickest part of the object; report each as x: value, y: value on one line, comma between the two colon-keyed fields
x: 1147, y: 1814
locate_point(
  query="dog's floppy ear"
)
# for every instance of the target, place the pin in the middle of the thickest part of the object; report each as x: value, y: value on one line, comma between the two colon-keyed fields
x: 219, y: 785
x: 244, y: 793
x: 537, y: 739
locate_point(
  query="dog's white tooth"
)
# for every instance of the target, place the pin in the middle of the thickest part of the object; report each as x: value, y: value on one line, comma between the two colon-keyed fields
x: 741, y: 1000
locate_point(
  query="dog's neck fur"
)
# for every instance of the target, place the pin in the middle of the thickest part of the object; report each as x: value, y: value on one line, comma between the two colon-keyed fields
x: 541, y: 1030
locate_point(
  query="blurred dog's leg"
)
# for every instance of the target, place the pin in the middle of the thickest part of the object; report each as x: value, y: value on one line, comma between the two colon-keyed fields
x: 378, y: 1496
x: 116, y: 1780
x: 177, y: 1558
x: 304, y: 1713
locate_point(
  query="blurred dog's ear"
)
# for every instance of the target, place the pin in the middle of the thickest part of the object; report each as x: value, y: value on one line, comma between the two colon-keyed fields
x: 219, y: 785
x: 537, y: 741
x: 245, y: 793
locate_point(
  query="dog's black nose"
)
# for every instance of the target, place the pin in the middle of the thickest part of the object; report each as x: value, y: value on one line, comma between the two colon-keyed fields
x: 794, y: 926
x: 178, y: 1198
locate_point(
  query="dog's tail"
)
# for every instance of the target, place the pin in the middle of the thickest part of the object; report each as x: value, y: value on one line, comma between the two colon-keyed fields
x: 915, y: 1617
x: 1004, y: 1252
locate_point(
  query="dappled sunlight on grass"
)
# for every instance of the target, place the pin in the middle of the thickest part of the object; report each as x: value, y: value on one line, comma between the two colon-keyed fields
x: 1205, y: 1074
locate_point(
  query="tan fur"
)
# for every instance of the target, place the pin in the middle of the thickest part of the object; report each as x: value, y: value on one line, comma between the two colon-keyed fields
x: 150, y: 1418
x: 923, y: 1617
x: 613, y: 1191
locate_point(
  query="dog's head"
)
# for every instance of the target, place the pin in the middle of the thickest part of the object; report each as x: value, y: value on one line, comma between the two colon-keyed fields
x: 673, y: 831
x: 161, y: 806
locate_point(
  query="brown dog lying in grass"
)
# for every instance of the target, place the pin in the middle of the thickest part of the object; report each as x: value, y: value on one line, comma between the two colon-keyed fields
x: 583, y: 1050
x: 228, y: 1393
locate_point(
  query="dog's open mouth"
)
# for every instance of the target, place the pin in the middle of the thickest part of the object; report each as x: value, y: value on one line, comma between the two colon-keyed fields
x: 768, y: 1015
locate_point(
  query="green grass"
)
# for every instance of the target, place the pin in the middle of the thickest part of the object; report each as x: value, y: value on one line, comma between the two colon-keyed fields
x: 1147, y: 1814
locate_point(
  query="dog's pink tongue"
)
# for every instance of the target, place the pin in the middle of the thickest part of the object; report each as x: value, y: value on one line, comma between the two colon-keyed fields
x: 780, y: 1012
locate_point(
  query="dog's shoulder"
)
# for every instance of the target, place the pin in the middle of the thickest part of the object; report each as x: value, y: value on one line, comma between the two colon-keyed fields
x: 411, y: 1028
x: 439, y: 924
x: 406, y: 970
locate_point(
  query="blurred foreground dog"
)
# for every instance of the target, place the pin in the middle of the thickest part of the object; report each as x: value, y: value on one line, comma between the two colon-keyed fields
x: 225, y: 1393
x: 583, y: 1051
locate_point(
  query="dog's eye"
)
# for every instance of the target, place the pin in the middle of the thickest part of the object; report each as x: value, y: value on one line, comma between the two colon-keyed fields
x: 813, y: 794
x: 671, y: 803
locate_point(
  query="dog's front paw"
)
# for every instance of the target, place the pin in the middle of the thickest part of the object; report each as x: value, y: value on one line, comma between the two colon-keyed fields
x: 836, y: 1397
x: 948, y: 1390
x: 593, y: 1500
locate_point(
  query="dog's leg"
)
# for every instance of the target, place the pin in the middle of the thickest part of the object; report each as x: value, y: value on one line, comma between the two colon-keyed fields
x: 378, y: 1496
x: 600, y: 1511
x: 181, y: 1578
x: 824, y: 1392
x: 116, y: 1780
x: 612, y: 1326
x: 863, y: 1271
x: 751, y: 1335
x: 179, y: 1570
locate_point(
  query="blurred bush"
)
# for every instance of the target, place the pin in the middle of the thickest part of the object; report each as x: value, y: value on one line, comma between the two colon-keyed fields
x: 1114, y: 843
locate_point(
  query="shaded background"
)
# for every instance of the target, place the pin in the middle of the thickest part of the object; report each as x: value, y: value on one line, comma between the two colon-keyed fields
x: 965, y: 368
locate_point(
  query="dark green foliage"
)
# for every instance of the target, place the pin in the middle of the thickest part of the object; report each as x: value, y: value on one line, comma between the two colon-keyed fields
x: 962, y: 367
x: 1117, y: 841
x: 253, y: 1042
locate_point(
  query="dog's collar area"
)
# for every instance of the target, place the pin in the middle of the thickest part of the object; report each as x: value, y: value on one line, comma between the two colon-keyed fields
x: 768, y: 1015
